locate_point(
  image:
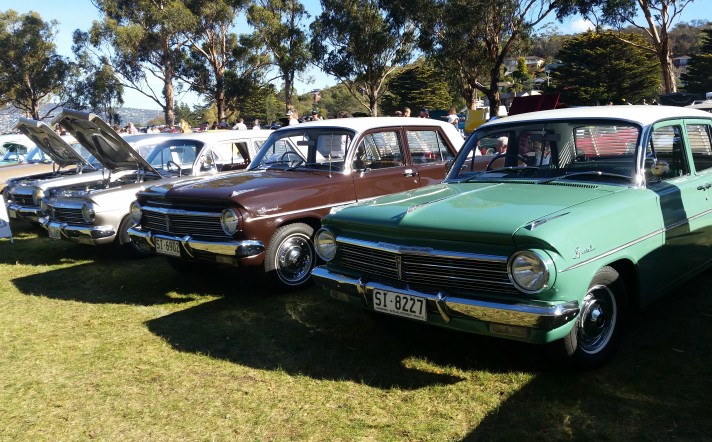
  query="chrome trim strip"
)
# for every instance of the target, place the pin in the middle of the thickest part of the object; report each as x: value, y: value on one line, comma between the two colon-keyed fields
x: 169, y: 211
x: 531, y: 315
x: 615, y: 250
x: 327, y: 206
x: 424, y: 251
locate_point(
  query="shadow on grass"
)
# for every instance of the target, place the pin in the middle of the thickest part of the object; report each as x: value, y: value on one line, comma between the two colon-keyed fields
x: 308, y: 333
x: 32, y: 246
x: 657, y: 387
x: 145, y: 281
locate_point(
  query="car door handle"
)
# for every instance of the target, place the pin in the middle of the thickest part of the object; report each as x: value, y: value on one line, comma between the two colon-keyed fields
x: 409, y: 172
x: 704, y: 186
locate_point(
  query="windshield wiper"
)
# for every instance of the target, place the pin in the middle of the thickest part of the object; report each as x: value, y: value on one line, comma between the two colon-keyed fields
x: 590, y: 172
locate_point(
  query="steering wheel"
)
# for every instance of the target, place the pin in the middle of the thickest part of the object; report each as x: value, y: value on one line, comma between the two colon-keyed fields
x: 520, y: 157
x: 292, y: 158
x: 175, y: 165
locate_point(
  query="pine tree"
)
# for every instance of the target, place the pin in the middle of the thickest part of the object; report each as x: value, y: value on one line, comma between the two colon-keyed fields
x: 699, y: 75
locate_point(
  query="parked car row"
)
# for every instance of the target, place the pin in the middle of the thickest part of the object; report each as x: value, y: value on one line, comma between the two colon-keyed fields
x: 580, y: 217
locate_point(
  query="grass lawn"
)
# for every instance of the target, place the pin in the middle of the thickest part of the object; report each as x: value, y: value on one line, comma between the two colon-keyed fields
x: 94, y: 346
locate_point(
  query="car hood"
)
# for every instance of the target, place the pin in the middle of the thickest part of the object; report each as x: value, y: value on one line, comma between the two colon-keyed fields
x: 51, y: 144
x: 27, y: 184
x: 484, y: 212
x: 253, y: 190
x: 112, y: 151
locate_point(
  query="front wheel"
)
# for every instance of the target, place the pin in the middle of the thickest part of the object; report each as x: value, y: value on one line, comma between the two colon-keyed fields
x: 596, y: 330
x: 291, y: 257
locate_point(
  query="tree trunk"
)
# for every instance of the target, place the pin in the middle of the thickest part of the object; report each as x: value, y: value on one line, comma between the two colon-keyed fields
x: 220, y: 96
x: 168, y: 107
x: 287, y: 93
x: 668, y: 70
x: 373, y: 105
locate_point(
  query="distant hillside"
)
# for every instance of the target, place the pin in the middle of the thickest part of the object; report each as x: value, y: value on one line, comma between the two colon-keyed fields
x: 9, y: 115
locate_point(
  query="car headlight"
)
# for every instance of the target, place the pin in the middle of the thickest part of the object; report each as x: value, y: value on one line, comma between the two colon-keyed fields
x: 325, y: 244
x: 529, y: 271
x: 230, y: 221
x: 135, y: 212
x: 87, y: 212
x: 37, y: 196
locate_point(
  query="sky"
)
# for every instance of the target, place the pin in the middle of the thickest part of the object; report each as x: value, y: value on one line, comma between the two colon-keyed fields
x: 79, y: 14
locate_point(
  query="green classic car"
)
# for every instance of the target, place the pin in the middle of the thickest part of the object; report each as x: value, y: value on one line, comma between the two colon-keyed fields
x: 584, y: 215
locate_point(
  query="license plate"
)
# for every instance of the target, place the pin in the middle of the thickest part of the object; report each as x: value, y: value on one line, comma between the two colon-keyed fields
x: 167, y: 246
x: 12, y: 213
x: 54, y: 232
x: 399, y: 304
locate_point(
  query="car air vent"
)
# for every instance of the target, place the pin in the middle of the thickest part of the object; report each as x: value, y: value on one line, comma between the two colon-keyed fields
x: 580, y: 185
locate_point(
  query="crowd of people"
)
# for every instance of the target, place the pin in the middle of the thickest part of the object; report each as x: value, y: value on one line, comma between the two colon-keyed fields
x: 292, y: 118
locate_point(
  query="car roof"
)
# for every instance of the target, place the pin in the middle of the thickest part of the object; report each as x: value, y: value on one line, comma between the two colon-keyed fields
x: 219, y: 135
x: 642, y: 114
x: 361, y: 124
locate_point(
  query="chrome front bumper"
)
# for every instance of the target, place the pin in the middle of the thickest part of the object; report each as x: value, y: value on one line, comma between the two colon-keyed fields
x: 232, y: 249
x: 24, y: 213
x: 93, y: 235
x: 519, y: 320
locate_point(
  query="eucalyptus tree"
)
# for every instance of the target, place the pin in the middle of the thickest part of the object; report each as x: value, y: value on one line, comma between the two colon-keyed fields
x: 31, y: 72
x: 470, y: 39
x: 144, y: 41
x: 362, y: 45
x: 653, y: 17
x: 278, y: 24
x: 101, y: 92
x: 215, y: 50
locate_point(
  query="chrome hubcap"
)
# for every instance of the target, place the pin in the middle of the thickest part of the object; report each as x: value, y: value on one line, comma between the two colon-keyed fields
x: 598, y: 319
x: 294, y: 259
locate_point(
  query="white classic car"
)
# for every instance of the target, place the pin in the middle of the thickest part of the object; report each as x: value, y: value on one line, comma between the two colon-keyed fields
x: 100, y: 215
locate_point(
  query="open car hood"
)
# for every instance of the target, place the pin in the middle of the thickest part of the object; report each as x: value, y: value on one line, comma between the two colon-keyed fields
x: 51, y: 144
x: 102, y: 141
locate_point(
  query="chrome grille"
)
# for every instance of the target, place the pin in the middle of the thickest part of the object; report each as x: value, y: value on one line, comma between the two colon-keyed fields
x: 22, y: 200
x: 65, y: 215
x: 178, y: 223
x: 430, y: 272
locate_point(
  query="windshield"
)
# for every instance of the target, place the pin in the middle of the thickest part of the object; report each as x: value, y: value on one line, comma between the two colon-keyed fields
x: 174, y: 155
x: 14, y: 152
x: 314, y: 148
x: 37, y: 156
x: 547, y: 151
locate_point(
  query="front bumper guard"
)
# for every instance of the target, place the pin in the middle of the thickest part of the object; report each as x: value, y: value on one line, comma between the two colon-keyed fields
x: 531, y: 315
x: 235, y: 249
x: 81, y: 234
x: 24, y: 213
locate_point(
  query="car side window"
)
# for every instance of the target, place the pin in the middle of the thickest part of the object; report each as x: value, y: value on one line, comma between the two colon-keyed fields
x: 699, y: 136
x: 379, y: 150
x: 427, y: 146
x: 666, y: 144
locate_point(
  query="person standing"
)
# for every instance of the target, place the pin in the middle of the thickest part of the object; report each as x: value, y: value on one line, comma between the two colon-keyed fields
x: 424, y: 113
x: 240, y: 125
x: 452, y: 117
x: 293, y: 118
x: 406, y: 112
x: 256, y: 125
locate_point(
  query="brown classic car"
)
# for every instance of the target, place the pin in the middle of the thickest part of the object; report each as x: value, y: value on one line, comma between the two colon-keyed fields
x: 266, y: 216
